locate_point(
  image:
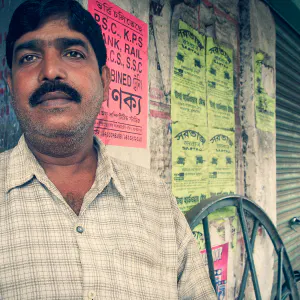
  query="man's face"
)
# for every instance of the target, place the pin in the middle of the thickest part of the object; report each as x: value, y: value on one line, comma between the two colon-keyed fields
x: 56, y: 85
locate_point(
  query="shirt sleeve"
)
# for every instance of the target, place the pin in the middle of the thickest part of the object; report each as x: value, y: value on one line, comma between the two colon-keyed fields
x: 193, y: 281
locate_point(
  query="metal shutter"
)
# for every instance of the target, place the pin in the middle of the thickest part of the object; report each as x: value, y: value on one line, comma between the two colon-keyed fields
x: 288, y: 136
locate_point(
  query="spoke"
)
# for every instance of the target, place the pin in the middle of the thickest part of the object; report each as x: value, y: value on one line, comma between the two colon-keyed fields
x: 279, y: 280
x: 248, y: 249
x: 246, y: 270
x: 209, y: 253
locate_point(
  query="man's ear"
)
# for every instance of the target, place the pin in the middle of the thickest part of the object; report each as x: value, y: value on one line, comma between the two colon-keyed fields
x: 106, y: 79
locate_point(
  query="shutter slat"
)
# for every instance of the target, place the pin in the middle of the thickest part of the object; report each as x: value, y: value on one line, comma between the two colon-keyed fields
x: 288, y: 136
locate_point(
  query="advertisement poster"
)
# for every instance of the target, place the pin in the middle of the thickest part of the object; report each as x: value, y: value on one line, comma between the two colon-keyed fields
x: 264, y: 104
x: 220, y: 257
x: 189, y: 118
x: 189, y: 164
x: 188, y: 82
x: 224, y: 224
x: 124, y: 117
x: 220, y: 90
x: 221, y: 162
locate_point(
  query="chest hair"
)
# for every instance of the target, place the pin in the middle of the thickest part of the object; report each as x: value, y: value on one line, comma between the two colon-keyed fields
x: 74, y: 201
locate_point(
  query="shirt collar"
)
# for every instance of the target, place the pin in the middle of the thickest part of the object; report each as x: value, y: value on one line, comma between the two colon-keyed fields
x: 105, y: 168
x: 23, y: 166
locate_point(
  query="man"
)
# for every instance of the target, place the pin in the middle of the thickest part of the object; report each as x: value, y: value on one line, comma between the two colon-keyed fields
x: 75, y: 223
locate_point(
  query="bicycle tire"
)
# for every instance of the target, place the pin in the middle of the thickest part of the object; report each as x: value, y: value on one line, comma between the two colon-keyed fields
x: 201, y: 211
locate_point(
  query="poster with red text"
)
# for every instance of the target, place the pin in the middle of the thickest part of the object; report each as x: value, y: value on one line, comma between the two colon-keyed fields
x: 123, y: 119
x: 220, y: 257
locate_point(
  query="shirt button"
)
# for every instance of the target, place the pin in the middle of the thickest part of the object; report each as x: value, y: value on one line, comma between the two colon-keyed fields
x: 92, y: 295
x: 79, y: 229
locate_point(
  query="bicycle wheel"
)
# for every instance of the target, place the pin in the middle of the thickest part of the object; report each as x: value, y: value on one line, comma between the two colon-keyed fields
x: 200, y: 212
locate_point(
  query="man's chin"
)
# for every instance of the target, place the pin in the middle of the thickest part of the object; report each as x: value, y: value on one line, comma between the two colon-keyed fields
x: 57, y: 133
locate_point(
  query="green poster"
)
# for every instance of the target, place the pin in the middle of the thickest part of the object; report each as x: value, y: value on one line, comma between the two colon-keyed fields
x: 188, y: 92
x: 221, y: 162
x: 265, y: 105
x: 220, y: 90
x: 189, y: 164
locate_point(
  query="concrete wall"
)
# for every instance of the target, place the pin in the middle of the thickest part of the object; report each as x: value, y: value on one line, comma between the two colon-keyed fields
x: 259, y: 148
x: 9, y: 127
x: 245, y: 26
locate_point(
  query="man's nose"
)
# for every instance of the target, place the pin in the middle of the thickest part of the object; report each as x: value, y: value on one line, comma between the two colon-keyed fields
x: 52, y: 67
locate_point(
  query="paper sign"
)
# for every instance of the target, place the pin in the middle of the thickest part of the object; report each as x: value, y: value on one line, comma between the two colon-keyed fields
x: 220, y: 97
x: 265, y: 105
x: 189, y: 117
x: 124, y: 117
x: 221, y: 162
x: 203, y: 144
x: 220, y: 258
x: 189, y: 164
x: 188, y: 83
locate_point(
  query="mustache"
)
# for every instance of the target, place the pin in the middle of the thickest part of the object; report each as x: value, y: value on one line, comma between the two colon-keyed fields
x: 53, y: 86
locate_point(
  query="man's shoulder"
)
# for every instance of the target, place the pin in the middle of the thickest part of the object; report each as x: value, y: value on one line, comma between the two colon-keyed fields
x: 4, y: 163
x: 4, y: 158
x: 135, y: 171
x: 150, y: 193
x: 144, y: 181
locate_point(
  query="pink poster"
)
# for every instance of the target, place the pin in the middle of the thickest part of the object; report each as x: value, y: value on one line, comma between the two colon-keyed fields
x: 124, y: 117
x: 220, y: 257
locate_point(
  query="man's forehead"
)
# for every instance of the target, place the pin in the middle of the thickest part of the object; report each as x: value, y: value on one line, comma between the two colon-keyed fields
x: 51, y: 31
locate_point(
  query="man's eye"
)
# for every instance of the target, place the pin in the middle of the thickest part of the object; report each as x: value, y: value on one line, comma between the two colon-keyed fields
x: 74, y: 54
x: 28, y: 59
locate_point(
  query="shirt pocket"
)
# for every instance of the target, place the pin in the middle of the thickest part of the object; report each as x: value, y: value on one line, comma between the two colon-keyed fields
x: 137, y: 277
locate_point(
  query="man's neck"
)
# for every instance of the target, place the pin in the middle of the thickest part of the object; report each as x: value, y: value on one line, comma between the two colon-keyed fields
x: 62, y: 151
x: 71, y: 166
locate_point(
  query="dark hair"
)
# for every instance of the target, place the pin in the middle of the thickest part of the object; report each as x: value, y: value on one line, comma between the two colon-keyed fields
x: 32, y: 13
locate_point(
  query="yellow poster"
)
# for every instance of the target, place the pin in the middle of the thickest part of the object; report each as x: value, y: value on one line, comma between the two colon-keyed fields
x: 265, y: 105
x: 220, y: 91
x: 202, y: 95
x: 189, y: 164
x: 221, y: 162
x: 188, y: 82
x: 198, y: 233
x: 226, y: 229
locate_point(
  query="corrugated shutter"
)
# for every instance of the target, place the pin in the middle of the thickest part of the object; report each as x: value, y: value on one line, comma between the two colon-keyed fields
x: 288, y: 136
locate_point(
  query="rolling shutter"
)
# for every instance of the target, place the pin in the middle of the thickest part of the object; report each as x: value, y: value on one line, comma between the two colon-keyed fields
x: 288, y: 136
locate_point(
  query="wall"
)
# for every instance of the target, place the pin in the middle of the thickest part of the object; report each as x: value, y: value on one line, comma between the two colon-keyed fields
x: 9, y: 127
x: 259, y: 153
x: 246, y: 27
x: 218, y: 19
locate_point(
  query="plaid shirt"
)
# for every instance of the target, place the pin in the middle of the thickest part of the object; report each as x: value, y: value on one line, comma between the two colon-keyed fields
x: 130, y: 241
